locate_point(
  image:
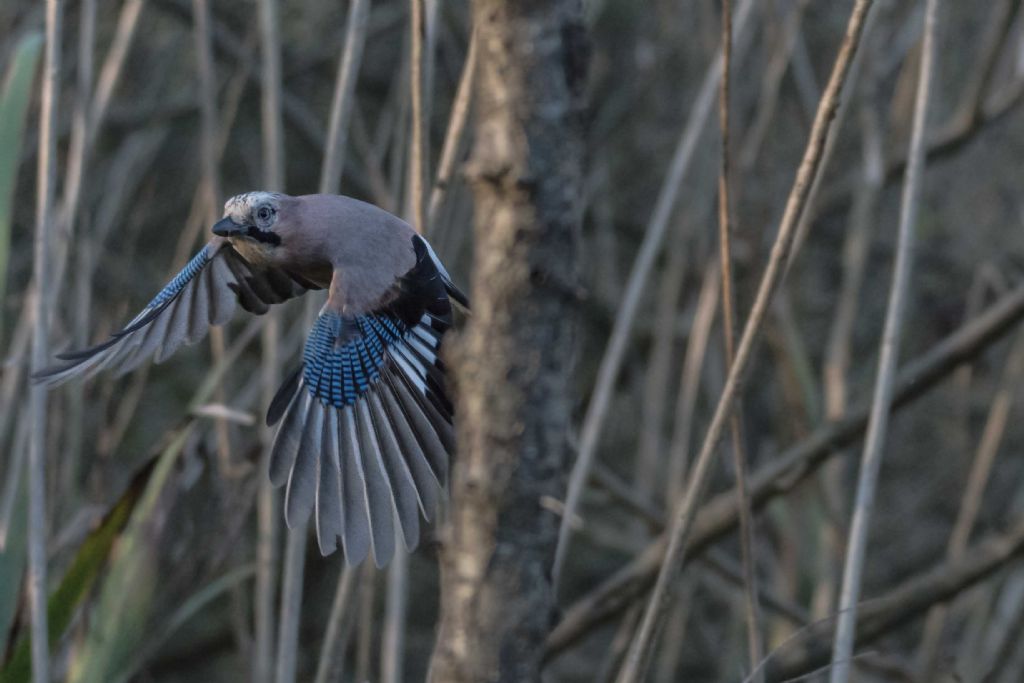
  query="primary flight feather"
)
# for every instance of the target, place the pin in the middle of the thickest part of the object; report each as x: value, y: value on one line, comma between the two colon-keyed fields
x: 365, y: 431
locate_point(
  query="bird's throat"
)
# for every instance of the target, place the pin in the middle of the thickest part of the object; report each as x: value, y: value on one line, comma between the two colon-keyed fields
x: 257, y: 253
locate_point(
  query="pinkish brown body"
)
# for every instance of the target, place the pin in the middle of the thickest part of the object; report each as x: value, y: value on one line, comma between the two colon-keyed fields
x: 365, y: 434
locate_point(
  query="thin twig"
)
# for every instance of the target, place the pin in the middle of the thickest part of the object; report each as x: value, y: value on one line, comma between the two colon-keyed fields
x: 45, y: 184
x: 804, y: 77
x: 114, y: 201
x: 11, y: 383
x: 913, y: 597
x: 418, y: 149
x: 768, y: 95
x: 1001, y: 20
x: 208, y: 158
x: 330, y: 179
x: 639, y: 657
x: 113, y: 65
x: 396, y: 602
x: 272, y: 126
x: 1002, y: 653
x: 380, y: 189
x: 344, y: 91
x: 717, y: 561
x: 396, y: 605
x: 753, y: 616
x: 855, y: 253
x: 656, y: 382
x: 871, y: 459
x: 689, y: 382
x: 75, y: 398
x: 339, y: 624
x: 291, y: 605
x: 367, y: 592
x: 454, y: 137
x: 89, y: 121
x: 970, y: 504
x: 295, y: 109
x: 210, y: 161
x: 431, y: 10
x: 810, y: 211
x: 266, y: 501
x: 840, y: 338
x: 611, y: 363
x: 788, y: 469
x: 81, y: 145
x: 15, y: 477
x: 724, y: 223
x: 617, y: 648
x: 945, y: 140
x: 395, y: 138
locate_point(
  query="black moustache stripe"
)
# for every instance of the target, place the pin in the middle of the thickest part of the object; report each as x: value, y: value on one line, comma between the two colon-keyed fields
x: 266, y: 237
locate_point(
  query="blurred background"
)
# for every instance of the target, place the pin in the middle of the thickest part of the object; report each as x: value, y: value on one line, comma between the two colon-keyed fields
x: 153, y: 478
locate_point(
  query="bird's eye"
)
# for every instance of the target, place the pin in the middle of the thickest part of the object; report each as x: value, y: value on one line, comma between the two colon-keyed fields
x: 264, y: 213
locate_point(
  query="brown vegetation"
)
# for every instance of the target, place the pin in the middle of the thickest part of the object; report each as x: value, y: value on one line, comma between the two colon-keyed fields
x: 647, y: 278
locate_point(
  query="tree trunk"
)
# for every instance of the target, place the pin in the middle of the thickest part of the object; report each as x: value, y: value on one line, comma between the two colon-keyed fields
x: 513, y: 362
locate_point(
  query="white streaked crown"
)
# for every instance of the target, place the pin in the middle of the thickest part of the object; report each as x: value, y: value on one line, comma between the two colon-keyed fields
x: 240, y: 206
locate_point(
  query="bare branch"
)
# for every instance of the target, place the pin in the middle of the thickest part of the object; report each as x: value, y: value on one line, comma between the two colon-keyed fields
x: 871, y: 459
x: 654, y: 234
x: 912, y: 598
x: 454, y: 137
x: 638, y: 659
x: 974, y: 491
x: 46, y: 179
x: 783, y: 472
x: 755, y: 648
x: 339, y: 624
x: 267, y: 511
x: 344, y: 96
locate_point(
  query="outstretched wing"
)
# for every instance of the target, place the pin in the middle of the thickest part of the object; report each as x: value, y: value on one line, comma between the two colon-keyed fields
x: 367, y: 428
x: 205, y: 293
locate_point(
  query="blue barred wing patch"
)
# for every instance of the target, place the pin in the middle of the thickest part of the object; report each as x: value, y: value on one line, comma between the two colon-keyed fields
x: 344, y: 357
x: 175, y: 286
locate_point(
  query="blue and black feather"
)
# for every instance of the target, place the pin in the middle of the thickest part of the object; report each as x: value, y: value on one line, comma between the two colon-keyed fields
x: 345, y: 357
x: 202, y: 294
x: 373, y: 387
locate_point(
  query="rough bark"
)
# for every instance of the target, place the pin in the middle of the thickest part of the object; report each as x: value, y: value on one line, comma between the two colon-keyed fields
x: 513, y: 361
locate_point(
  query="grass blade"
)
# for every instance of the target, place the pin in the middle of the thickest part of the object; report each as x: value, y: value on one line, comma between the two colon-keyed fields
x: 14, y: 101
x: 80, y: 577
x: 118, y: 624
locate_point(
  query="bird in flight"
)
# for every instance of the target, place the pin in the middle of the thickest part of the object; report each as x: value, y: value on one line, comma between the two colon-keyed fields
x: 365, y: 431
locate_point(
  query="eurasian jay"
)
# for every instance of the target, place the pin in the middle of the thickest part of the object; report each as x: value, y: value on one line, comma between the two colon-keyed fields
x: 365, y: 425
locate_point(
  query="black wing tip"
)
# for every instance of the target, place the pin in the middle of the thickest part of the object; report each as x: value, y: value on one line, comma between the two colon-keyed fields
x: 78, y: 355
x: 72, y: 359
x: 46, y: 374
x: 457, y: 294
x: 283, y: 398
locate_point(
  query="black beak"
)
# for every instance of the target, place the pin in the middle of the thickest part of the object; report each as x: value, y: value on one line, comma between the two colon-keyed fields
x: 226, y: 227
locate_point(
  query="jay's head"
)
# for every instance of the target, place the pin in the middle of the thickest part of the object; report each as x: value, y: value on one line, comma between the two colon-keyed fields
x: 253, y: 220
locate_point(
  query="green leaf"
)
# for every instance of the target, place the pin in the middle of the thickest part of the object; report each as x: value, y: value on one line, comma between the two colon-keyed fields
x: 80, y: 577
x: 12, y: 559
x: 190, y: 608
x: 14, y: 101
x: 118, y: 624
